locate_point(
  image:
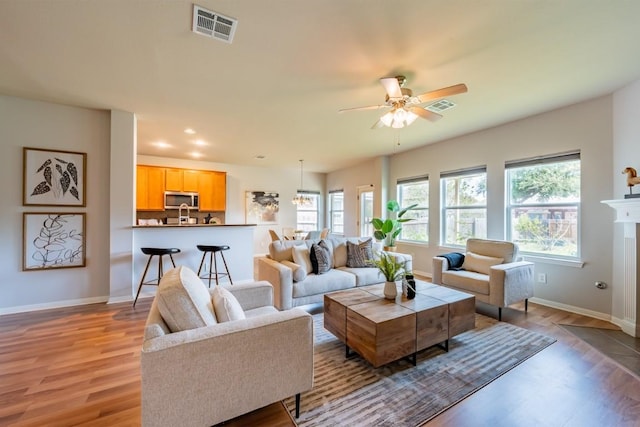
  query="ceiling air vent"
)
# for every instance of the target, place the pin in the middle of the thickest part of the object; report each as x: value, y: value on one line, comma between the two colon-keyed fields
x: 212, y: 24
x: 440, y: 106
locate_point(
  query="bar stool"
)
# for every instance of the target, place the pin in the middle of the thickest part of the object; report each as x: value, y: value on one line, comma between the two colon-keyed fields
x: 213, y: 250
x: 160, y: 252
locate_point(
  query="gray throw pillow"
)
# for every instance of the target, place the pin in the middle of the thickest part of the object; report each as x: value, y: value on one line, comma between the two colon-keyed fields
x: 360, y: 254
x: 320, y: 257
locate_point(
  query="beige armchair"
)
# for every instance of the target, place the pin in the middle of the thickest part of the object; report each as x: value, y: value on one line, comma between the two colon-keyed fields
x: 209, y: 374
x: 492, y: 271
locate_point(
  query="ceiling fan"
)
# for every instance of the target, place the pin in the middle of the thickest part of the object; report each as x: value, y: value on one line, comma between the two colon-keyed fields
x: 405, y: 108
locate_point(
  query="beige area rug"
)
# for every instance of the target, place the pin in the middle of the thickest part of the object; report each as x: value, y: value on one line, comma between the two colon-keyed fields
x: 351, y: 392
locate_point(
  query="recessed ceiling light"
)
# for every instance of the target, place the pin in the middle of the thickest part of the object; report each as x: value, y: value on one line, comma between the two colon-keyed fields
x: 195, y: 154
x: 162, y: 144
x: 200, y: 142
x: 189, y: 131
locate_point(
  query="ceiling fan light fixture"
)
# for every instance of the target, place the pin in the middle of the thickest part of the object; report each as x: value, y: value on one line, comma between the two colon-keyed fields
x: 387, y: 119
x: 398, y: 118
x: 411, y: 117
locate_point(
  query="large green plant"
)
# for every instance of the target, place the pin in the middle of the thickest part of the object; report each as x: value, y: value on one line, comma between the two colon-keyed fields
x: 389, y: 229
x: 390, y: 267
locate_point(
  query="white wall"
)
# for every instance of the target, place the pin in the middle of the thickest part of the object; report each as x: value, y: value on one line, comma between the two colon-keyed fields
x: 248, y: 178
x: 586, y: 126
x: 25, y: 123
x: 626, y: 152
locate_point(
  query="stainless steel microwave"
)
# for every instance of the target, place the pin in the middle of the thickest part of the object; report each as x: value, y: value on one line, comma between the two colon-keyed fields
x: 173, y: 200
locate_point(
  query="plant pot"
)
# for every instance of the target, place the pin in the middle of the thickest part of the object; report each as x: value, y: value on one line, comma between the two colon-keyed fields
x: 390, y: 290
x: 389, y: 248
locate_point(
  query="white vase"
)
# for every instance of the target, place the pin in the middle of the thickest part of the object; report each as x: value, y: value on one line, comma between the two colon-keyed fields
x: 390, y: 290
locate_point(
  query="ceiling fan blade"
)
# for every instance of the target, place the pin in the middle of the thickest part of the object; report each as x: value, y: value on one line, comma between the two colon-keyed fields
x: 377, y: 125
x: 370, y: 107
x: 426, y: 114
x: 441, y: 93
x: 392, y: 87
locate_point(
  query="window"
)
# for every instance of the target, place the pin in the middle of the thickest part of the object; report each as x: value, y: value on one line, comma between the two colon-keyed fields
x: 414, y: 191
x: 336, y: 211
x: 365, y: 210
x: 543, y: 205
x: 307, y: 214
x: 464, y: 195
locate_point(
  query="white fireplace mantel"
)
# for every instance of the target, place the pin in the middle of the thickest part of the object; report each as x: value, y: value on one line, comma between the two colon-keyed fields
x: 628, y: 212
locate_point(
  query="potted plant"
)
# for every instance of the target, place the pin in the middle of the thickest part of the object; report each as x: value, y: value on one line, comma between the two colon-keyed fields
x: 392, y: 269
x: 389, y: 229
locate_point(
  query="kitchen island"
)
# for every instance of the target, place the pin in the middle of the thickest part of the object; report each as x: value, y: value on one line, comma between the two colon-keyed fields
x: 239, y: 257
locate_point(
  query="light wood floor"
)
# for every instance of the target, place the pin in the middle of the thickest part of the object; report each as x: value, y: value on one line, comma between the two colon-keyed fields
x: 80, y: 366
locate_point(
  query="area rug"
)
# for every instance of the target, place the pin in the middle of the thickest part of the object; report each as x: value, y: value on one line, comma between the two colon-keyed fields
x: 352, y: 392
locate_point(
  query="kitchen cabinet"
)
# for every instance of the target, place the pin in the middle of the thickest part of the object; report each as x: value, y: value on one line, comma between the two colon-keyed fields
x: 150, y: 188
x: 181, y: 180
x: 212, y: 187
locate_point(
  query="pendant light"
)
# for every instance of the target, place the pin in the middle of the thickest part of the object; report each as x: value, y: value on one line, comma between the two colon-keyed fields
x: 301, y: 199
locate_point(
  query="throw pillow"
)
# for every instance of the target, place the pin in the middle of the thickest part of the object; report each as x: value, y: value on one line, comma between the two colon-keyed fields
x: 479, y: 263
x: 320, y: 255
x: 226, y: 305
x: 184, y: 301
x: 298, y: 273
x: 360, y: 254
x: 301, y: 257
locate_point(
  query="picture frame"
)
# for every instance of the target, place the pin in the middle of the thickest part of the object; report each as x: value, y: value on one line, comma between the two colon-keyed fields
x: 53, y: 240
x: 262, y: 207
x: 53, y: 177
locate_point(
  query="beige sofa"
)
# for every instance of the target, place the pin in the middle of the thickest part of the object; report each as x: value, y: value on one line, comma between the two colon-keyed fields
x: 279, y: 269
x: 491, y: 271
x: 209, y: 374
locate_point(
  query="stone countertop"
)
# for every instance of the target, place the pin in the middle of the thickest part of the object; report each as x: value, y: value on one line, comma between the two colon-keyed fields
x: 192, y: 225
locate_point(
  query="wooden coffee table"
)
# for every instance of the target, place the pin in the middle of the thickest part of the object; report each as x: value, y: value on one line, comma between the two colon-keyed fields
x: 383, y: 330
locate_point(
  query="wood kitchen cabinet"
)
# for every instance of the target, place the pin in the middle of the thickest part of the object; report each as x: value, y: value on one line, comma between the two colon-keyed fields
x: 181, y: 180
x: 212, y: 187
x: 150, y: 188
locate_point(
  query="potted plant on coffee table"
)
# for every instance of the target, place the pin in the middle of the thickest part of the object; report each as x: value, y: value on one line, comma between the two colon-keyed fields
x: 388, y: 230
x: 392, y: 269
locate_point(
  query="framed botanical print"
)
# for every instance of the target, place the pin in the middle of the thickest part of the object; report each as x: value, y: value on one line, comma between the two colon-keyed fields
x: 53, y: 178
x: 53, y: 240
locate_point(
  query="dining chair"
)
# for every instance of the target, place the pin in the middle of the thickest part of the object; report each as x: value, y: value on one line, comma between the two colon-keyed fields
x: 274, y: 235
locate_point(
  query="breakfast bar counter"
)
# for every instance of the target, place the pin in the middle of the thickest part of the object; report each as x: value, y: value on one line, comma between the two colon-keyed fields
x: 239, y: 237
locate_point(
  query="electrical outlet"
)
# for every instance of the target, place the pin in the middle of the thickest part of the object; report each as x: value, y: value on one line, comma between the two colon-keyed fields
x: 542, y: 278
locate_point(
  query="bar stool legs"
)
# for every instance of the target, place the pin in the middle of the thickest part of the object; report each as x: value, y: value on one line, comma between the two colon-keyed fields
x: 159, y: 252
x: 213, y: 250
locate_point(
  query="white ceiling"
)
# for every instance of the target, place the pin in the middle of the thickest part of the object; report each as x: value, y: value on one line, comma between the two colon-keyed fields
x: 275, y: 91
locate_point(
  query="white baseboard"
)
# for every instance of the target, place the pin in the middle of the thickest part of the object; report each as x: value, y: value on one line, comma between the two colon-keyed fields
x: 626, y: 326
x: 57, y: 304
x: 125, y: 298
x: 572, y: 309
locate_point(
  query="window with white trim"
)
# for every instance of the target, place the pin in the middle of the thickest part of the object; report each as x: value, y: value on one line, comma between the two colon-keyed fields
x: 464, y: 205
x: 412, y: 191
x: 543, y: 205
x: 307, y: 214
x: 336, y: 211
